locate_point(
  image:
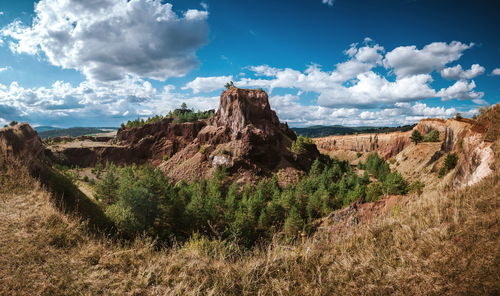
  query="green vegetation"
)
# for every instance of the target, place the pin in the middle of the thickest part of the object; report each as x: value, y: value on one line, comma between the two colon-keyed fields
x: 229, y: 85
x: 432, y: 136
x: 416, y: 137
x: 299, y: 146
x: 141, y: 200
x: 458, y: 116
x: 449, y: 163
x: 183, y: 114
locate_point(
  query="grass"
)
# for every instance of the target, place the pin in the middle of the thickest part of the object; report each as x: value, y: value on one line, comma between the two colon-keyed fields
x: 436, y: 244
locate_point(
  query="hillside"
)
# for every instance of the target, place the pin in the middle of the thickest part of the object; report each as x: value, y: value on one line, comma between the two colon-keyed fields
x: 421, y: 218
x: 435, y: 244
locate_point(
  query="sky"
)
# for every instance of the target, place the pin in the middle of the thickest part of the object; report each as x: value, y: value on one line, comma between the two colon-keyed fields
x: 72, y: 63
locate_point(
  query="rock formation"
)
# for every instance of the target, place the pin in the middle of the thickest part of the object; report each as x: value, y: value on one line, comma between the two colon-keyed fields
x: 245, y: 136
x: 471, y: 140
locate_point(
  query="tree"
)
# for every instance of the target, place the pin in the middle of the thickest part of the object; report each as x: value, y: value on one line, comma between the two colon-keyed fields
x: 395, y: 184
x: 184, y: 106
x: 458, y: 116
x: 416, y: 137
x: 229, y: 85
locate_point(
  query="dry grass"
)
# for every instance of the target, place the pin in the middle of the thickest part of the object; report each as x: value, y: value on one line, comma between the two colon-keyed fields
x: 439, y: 244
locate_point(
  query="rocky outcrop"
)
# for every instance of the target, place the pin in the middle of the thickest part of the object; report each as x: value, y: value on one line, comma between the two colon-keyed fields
x: 471, y: 140
x: 245, y: 136
x: 22, y: 142
x: 387, y: 144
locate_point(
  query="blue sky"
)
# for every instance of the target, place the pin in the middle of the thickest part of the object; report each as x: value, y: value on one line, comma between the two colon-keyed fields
x: 350, y: 62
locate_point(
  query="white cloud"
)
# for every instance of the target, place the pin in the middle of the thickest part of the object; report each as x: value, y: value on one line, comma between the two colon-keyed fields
x: 3, y: 69
x: 408, y: 60
x: 2, y: 13
x: 495, y: 71
x: 90, y: 103
x: 462, y: 90
x: 207, y: 84
x: 328, y: 2
x: 458, y: 73
x: 108, y: 40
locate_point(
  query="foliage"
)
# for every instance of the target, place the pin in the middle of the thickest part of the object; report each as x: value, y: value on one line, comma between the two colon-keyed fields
x: 416, y: 137
x: 12, y: 123
x: 432, y: 136
x: 449, y: 163
x: 183, y: 114
x: 417, y: 187
x: 458, y: 116
x: 140, y: 199
x: 229, y: 85
x: 299, y: 146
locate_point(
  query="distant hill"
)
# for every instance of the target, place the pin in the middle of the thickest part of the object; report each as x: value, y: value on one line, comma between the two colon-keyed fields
x: 318, y: 131
x: 44, y: 128
x: 50, y: 132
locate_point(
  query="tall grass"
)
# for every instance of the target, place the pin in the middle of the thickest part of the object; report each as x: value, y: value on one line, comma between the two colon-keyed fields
x: 437, y: 244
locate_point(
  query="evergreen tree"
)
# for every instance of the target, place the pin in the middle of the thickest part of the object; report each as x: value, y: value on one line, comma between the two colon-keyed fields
x: 416, y: 137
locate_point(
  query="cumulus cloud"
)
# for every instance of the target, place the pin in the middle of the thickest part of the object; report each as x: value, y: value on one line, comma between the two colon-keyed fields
x: 408, y: 60
x: 356, y: 83
x: 109, y: 40
x: 462, y: 90
x: 458, y: 73
x: 89, y: 103
x: 495, y: 71
x: 207, y: 84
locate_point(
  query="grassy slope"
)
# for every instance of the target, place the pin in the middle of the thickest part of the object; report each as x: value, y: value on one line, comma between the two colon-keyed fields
x: 439, y: 244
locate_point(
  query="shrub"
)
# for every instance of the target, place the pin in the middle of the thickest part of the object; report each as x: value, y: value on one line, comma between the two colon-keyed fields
x: 450, y: 161
x: 12, y: 123
x: 416, y: 187
x: 374, y: 191
x: 432, y: 136
x: 299, y: 146
x: 458, y: 116
x: 394, y: 183
x: 416, y: 137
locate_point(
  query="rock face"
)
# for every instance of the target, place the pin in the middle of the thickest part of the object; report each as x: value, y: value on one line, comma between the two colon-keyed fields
x: 22, y: 142
x: 387, y: 145
x: 245, y: 136
x: 471, y: 140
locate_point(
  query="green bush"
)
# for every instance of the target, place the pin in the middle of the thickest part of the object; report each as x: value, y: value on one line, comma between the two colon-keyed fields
x: 394, y: 183
x: 449, y: 163
x: 299, y: 146
x: 417, y: 187
x: 432, y: 136
x: 416, y: 137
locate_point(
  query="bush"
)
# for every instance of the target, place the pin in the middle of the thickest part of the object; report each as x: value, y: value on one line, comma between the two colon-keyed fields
x: 374, y: 191
x: 299, y: 146
x: 394, y: 183
x: 416, y: 137
x: 416, y: 187
x: 449, y: 163
x: 432, y: 136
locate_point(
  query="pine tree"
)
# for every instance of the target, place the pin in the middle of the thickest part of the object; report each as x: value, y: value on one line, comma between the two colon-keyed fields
x: 416, y: 137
